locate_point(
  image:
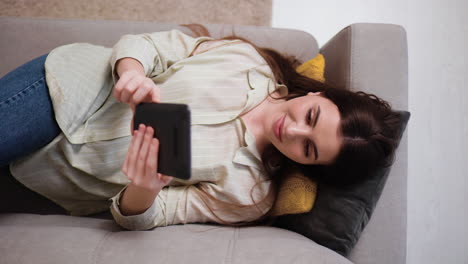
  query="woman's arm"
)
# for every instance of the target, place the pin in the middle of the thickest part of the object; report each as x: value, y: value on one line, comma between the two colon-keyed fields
x: 136, y: 200
x: 155, y: 51
x: 187, y: 204
x: 138, y: 58
x: 128, y: 64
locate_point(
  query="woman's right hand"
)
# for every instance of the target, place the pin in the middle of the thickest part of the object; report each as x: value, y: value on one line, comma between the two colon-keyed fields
x: 133, y: 87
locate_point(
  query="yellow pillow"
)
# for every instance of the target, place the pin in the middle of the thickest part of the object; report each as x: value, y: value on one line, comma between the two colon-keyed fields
x: 314, y: 68
x: 297, y: 193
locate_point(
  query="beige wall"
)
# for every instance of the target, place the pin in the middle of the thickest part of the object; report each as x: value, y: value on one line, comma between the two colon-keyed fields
x: 244, y: 12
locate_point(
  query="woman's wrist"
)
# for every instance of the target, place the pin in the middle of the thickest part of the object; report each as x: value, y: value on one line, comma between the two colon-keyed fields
x: 136, y: 200
x: 128, y: 64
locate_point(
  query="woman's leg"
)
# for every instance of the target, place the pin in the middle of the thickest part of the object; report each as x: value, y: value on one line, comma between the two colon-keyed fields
x: 27, y: 120
x: 17, y: 198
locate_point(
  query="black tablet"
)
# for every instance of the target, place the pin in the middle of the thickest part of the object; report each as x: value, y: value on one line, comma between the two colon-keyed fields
x: 171, y: 124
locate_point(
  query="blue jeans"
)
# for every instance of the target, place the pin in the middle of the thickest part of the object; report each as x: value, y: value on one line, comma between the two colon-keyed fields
x: 27, y: 120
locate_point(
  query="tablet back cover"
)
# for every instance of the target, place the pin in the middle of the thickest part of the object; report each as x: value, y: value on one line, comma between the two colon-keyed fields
x: 171, y: 123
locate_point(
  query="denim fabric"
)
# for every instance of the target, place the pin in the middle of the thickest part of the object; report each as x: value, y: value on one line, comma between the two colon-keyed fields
x: 26, y: 114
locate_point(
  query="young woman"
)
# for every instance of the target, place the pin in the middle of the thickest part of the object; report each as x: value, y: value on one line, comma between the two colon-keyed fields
x: 254, y: 119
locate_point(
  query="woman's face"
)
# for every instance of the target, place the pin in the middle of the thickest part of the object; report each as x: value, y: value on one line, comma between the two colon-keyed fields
x: 306, y: 129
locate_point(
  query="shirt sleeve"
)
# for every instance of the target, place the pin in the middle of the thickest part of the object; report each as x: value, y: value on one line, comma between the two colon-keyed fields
x: 155, y: 51
x: 186, y: 204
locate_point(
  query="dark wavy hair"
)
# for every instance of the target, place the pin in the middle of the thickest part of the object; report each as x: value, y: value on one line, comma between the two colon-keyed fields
x: 370, y: 128
x: 370, y: 132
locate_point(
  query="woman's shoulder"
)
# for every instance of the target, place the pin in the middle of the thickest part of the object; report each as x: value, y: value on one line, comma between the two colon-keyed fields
x: 209, y: 45
x: 237, y: 47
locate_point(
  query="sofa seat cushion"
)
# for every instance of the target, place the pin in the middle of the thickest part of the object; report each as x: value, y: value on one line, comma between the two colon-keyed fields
x: 28, y: 238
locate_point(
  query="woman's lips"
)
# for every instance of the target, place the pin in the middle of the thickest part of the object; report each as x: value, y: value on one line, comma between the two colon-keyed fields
x: 279, y: 127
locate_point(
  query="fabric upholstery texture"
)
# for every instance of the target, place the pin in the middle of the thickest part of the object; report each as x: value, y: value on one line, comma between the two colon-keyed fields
x: 66, y: 239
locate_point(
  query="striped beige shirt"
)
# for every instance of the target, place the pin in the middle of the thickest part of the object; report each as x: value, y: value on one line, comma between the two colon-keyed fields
x: 81, y: 168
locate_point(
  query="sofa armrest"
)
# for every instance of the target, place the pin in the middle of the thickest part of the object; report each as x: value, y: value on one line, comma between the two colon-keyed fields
x: 373, y: 58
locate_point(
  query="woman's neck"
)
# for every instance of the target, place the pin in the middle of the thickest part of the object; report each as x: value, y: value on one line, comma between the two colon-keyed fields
x: 253, y: 120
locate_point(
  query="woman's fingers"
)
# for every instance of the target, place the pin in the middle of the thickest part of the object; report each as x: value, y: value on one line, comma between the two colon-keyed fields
x: 143, y: 93
x: 152, y: 162
x: 133, y: 85
x: 125, y: 167
x: 128, y: 83
x: 141, y: 161
x: 165, y: 180
x: 134, y: 88
x: 156, y: 94
x: 120, y: 85
x: 134, y: 150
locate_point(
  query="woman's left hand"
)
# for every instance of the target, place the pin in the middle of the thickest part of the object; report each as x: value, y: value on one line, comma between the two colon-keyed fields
x: 140, y: 166
x: 141, y: 162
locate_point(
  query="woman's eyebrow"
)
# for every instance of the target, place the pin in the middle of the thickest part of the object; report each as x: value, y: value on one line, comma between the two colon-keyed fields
x: 315, y: 123
x: 315, y: 150
x: 316, y: 116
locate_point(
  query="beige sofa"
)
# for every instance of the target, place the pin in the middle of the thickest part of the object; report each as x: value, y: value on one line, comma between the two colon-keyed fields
x: 369, y: 57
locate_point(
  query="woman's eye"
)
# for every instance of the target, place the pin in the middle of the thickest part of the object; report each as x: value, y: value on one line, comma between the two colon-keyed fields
x: 309, y: 116
x: 306, y: 148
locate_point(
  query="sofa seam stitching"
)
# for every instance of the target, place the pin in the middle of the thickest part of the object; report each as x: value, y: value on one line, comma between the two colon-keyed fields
x: 234, y: 246
x: 99, y: 246
x: 231, y: 247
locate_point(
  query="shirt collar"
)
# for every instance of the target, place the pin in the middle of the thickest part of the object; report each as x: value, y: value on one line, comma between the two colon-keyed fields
x: 248, y: 155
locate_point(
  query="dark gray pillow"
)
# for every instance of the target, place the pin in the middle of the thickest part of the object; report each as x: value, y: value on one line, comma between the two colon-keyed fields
x: 340, y: 214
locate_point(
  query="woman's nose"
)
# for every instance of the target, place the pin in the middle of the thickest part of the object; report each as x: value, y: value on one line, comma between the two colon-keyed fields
x: 293, y: 131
